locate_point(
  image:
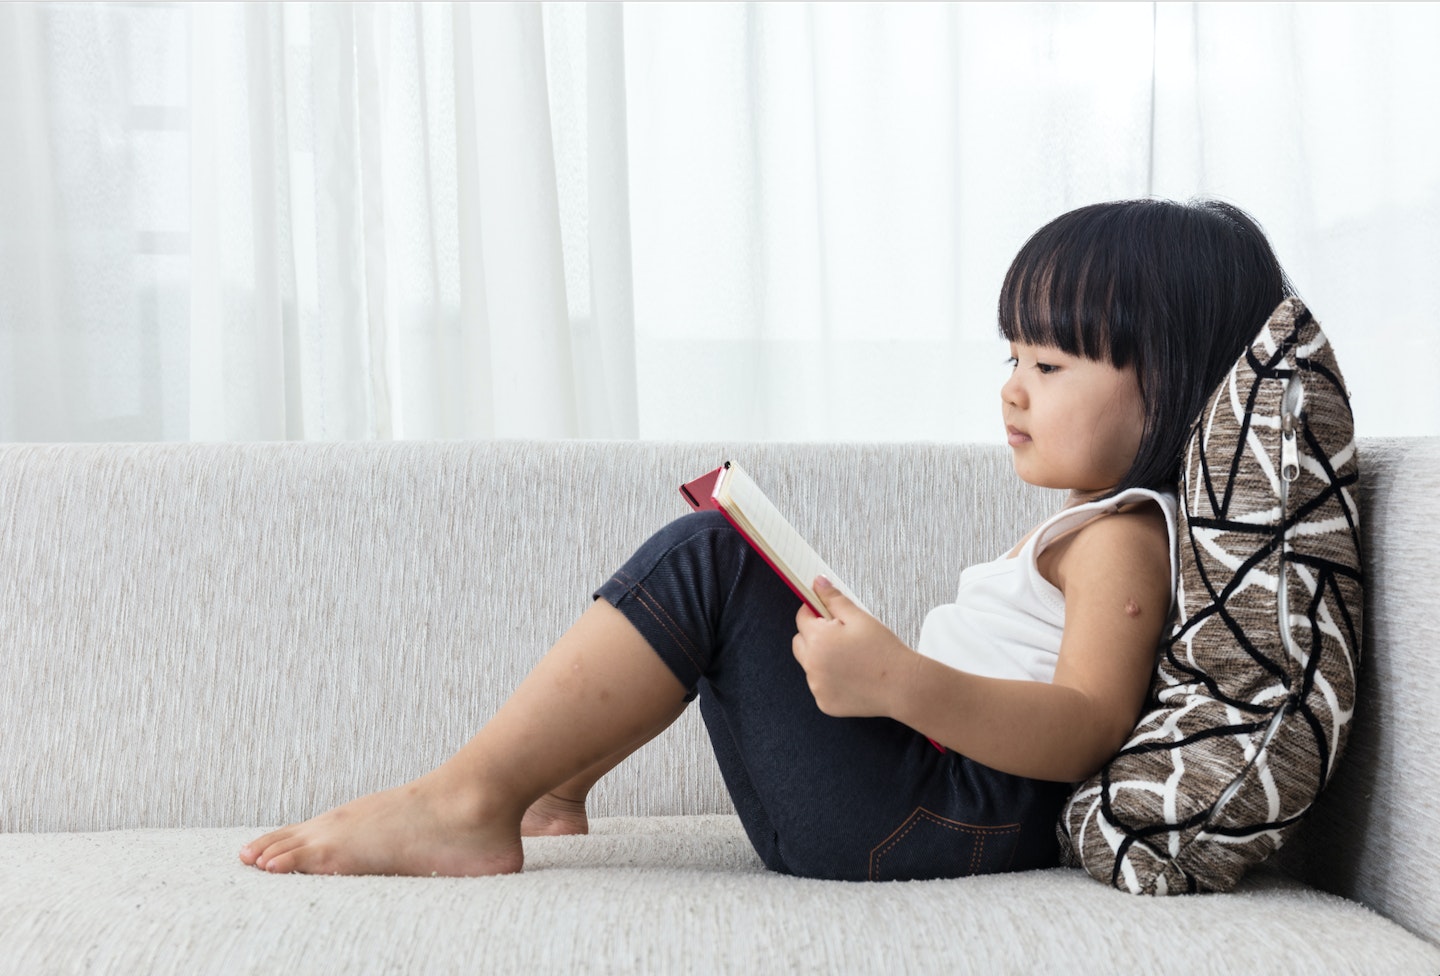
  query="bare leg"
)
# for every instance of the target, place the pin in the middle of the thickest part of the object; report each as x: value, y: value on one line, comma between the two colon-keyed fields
x: 562, y: 810
x: 599, y: 690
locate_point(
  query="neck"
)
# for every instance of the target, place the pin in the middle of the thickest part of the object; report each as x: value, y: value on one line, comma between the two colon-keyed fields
x: 1079, y: 497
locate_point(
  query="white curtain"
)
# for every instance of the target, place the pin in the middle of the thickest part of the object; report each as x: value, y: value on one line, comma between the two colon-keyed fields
x: 773, y: 221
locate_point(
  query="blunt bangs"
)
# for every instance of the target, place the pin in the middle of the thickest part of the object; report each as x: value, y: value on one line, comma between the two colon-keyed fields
x: 1070, y: 287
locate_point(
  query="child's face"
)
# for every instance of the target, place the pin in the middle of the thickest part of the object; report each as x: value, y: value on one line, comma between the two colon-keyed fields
x: 1071, y: 422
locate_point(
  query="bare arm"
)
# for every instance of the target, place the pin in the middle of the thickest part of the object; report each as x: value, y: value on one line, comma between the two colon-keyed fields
x: 1115, y: 578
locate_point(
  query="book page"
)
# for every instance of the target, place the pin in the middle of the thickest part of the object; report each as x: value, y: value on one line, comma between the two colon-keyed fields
x: 773, y: 534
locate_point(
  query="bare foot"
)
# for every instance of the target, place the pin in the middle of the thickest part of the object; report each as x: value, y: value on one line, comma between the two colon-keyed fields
x: 423, y: 828
x: 552, y: 816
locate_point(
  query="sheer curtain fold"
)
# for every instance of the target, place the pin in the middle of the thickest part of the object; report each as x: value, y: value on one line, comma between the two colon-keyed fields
x: 605, y: 376
x: 30, y: 316
x: 375, y: 249
x: 532, y: 365
x: 326, y: 221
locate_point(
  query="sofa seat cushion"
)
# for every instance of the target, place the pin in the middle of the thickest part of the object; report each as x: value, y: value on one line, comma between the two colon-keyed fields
x: 660, y: 894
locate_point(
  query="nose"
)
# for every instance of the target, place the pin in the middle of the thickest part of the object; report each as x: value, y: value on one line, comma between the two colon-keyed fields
x: 1013, y: 391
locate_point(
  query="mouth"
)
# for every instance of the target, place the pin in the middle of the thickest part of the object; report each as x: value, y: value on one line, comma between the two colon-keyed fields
x: 1015, y: 437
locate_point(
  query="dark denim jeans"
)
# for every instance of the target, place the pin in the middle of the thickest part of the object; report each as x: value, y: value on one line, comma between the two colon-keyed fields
x: 820, y: 797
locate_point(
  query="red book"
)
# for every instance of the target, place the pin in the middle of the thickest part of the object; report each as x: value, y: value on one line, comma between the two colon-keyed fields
x: 731, y: 491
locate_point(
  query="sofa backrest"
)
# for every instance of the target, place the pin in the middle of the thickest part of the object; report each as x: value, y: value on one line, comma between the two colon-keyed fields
x: 207, y: 634
x: 246, y: 634
x: 1375, y: 831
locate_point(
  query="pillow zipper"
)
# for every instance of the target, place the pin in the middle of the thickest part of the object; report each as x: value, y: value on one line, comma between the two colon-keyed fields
x: 1290, y: 406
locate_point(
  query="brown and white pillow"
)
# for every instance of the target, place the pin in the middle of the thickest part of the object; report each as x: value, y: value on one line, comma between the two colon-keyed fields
x: 1255, y: 686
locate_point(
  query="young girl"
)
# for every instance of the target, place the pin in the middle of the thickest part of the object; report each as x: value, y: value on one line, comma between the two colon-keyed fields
x: 849, y: 755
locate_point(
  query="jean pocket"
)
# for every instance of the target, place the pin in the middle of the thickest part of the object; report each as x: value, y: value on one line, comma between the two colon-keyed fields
x: 928, y: 845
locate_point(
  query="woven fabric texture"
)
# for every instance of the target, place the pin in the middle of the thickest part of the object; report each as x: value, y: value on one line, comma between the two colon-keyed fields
x: 212, y: 638
x: 1255, y: 688
x: 655, y: 895
x: 253, y: 633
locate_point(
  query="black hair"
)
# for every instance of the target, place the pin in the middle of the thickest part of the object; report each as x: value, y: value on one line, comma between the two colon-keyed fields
x: 1178, y: 290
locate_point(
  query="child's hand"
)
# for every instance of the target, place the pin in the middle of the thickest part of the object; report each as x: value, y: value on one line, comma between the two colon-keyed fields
x: 854, y: 664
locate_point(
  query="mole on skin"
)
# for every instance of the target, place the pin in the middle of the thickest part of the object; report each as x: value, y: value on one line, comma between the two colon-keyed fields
x: 1132, y: 609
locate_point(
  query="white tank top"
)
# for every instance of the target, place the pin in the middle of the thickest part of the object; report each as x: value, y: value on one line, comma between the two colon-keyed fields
x: 1007, y: 619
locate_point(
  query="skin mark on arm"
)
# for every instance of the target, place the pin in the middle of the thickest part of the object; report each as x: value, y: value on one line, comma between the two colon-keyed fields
x: 1132, y: 609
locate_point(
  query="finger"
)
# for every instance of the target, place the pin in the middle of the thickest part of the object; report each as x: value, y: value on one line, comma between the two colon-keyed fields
x: 831, y: 596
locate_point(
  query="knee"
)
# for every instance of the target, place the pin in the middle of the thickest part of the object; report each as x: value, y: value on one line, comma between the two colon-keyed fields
x: 701, y: 546
x: 705, y: 520
x: 707, y: 527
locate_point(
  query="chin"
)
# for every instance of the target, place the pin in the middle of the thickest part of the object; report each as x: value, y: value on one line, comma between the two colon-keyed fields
x: 1031, y: 478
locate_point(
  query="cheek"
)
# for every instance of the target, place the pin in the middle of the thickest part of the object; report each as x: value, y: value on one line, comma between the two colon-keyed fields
x: 1123, y: 423
x: 1131, y: 429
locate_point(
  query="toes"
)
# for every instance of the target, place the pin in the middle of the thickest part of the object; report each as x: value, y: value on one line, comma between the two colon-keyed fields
x: 280, y: 852
x: 279, y: 864
x: 253, y: 851
x: 261, y: 853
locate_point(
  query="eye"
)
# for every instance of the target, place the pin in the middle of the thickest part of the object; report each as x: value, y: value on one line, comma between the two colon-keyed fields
x: 1012, y: 362
x: 1047, y: 368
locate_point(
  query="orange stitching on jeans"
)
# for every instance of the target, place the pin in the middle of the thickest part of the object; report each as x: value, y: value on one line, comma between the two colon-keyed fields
x: 921, y: 814
x: 679, y: 631
x: 673, y: 629
x: 645, y: 599
x: 676, y: 633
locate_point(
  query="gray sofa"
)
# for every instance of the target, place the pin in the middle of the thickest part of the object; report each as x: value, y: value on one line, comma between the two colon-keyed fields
x: 199, y: 640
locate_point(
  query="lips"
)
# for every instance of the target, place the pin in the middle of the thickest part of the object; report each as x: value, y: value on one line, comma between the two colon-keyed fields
x: 1015, y: 437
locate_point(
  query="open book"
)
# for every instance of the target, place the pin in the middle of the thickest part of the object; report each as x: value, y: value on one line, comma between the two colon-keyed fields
x: 739, y: 499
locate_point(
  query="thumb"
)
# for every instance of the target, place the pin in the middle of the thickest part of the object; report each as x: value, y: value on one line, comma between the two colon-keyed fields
x: 830, y: 594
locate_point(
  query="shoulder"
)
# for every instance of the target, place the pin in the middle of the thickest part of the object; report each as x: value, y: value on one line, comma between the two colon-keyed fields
x: 1130, y: 545
x: 1140, y: 522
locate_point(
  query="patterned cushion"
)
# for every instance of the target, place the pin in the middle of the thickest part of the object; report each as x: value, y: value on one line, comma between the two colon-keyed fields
x: 1255, y: 686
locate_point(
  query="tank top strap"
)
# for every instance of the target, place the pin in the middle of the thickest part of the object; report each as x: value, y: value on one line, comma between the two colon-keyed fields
x: 1070, y: 518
